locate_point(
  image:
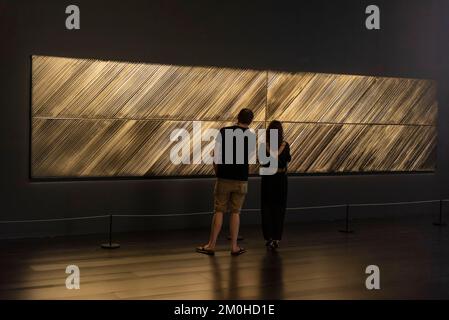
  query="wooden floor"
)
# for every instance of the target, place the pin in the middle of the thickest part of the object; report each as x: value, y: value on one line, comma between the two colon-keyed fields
x: 314, y: 262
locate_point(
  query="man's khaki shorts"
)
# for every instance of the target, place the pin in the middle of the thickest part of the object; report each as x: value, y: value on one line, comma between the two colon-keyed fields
x: 229, y: 192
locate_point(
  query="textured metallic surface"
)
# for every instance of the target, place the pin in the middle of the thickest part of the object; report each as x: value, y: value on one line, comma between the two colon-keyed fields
x: 331, y: 98
x: 109, y: 119
x: 66, y: 88
x: 338, y: 148
x: 102, y: 148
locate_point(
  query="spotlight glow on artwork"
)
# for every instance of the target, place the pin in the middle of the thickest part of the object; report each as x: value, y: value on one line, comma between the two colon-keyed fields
x: 94, y: 118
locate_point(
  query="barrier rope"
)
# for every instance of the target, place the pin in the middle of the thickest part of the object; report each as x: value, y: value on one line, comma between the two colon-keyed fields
x: 392, y: 203
x: 55, y: 219
x: 211, y: 212
x: 164, y: 215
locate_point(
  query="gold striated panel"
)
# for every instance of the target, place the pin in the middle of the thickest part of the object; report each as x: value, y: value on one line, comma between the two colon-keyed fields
x: 102, y: 148
x: 81, y: 88
x: 338, y: 148
x: 332, y: 98
x: 113, y: 119
x: 111, y: 148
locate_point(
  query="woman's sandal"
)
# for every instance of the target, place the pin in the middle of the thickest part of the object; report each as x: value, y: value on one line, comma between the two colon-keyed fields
x: 203, y: 250
x: 239, y: 252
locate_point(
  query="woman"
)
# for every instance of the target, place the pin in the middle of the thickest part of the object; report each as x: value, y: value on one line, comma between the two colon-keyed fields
x: 274, y: 190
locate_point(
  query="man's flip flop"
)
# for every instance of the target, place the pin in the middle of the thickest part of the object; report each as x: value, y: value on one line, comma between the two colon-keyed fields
x: 203, y: 250
x: 239, y: 252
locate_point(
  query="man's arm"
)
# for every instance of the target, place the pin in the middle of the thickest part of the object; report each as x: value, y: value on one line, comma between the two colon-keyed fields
x: 215, y: 165
x: 216, y: 152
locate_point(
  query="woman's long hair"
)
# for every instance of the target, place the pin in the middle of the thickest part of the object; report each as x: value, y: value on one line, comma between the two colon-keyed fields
x: 275, y: 125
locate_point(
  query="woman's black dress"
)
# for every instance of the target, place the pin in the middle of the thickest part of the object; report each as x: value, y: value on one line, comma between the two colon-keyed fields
x: 274, y: 198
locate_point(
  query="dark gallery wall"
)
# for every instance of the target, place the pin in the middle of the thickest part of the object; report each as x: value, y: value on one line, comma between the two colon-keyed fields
x: 318, y: 36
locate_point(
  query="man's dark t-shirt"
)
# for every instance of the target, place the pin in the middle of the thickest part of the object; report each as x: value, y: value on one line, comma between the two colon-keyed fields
x: 234, y: 171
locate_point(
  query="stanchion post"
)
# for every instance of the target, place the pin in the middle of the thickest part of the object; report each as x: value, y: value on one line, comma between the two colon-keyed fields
x: 347, y: 227
x: 440, y: 222
x: 110, y: 245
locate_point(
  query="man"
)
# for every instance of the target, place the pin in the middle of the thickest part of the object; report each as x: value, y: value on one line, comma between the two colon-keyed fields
x: 234, y: 148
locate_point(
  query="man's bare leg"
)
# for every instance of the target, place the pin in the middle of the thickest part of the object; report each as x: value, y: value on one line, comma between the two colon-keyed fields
x: 217, y: 222
x: 234, y: 225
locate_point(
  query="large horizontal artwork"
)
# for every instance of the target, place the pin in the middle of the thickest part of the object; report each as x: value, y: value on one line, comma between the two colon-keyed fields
x: 94, y: 118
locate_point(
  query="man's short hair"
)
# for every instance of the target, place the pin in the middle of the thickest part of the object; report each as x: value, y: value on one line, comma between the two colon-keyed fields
x: 245, y: 116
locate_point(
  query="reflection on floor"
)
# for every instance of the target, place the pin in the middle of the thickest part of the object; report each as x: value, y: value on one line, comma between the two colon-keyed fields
x: 314, y: 262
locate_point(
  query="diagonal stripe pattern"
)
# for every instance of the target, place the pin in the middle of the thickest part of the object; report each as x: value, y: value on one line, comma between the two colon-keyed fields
x: 67, y: 88
x: 95, y: 118
x: 331, y: 98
